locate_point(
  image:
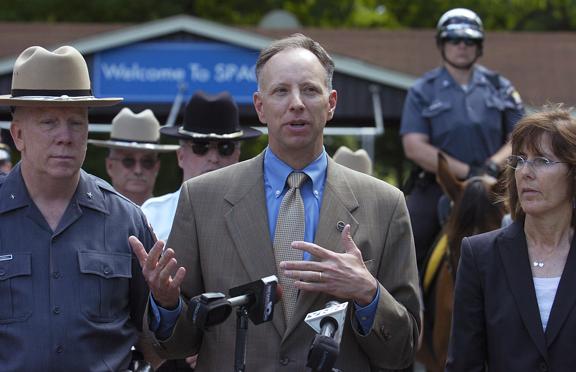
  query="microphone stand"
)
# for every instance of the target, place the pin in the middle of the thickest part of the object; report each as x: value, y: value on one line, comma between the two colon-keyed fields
x: 241, y: 333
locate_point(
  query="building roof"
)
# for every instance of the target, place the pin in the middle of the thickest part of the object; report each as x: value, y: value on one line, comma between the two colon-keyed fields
x: 538, y: 64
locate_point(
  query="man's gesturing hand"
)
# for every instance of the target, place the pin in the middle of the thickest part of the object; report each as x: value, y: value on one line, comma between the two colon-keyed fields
x: 342, y: 275
x: 161, y: 271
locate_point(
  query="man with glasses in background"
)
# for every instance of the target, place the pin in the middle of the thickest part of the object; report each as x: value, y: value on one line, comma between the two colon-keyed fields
x: 132, y: 162
x: 209, y: 139
x: 461, y: 109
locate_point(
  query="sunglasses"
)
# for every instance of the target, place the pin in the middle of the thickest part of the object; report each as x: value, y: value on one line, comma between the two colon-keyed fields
x: 225, y: 148
x: 130, y: 163
x: 458, y: 40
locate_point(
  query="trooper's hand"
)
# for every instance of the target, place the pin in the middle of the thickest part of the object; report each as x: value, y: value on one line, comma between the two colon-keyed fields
x: 161, y: 272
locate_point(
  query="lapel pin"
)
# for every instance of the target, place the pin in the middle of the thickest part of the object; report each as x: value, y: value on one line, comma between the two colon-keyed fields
x: 89, y: 194
x: 12, y: 196
x: 340, y: 226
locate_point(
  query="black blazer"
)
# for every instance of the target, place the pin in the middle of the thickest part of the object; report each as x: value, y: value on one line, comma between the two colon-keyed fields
x: 496, y: 322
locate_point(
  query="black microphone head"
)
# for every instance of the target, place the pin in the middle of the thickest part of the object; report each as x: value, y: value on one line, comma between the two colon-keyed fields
x: 261, y: 296
x: 323, y: 353
x: 208, y: 309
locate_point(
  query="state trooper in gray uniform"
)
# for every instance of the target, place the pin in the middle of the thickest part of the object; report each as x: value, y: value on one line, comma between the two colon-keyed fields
x: 72, y: 295
x: 460, y: 109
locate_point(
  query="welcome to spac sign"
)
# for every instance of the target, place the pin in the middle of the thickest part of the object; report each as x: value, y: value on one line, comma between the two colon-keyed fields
x: 153, y: 72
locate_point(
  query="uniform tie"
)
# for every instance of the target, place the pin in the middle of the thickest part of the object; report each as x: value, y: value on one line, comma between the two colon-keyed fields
x: 290, y: 227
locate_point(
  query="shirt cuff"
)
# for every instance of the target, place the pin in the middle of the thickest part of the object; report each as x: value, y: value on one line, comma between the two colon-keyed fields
x: 162, y: 320
x: 365, y: 315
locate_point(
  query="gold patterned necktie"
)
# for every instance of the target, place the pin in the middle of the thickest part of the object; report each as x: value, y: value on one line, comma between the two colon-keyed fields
x: 290, y: 227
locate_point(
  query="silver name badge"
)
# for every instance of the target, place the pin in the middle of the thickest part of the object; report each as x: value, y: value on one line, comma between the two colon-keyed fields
x: 6, y: 257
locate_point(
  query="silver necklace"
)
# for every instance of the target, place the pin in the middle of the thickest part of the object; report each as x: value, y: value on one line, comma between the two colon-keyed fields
x: 538, y: 263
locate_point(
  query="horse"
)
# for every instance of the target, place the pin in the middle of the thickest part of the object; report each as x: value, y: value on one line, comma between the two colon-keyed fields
x: 475, y: 209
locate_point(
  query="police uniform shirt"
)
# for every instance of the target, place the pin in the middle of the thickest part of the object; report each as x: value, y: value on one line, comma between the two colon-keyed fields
x: 70, y: 299
x: 465, y: 122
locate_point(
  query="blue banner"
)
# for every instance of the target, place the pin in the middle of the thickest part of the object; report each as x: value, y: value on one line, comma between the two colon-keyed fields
x: 153, y: 72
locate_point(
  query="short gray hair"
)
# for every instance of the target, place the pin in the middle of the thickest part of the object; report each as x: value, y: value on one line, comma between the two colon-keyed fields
x: 296, y: 41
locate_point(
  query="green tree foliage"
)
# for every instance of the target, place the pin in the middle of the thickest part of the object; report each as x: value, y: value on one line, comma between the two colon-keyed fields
x: 534, y: 15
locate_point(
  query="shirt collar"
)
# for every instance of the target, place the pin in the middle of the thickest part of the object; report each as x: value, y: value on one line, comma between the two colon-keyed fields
x: 89, y: 192
x: 14, y: 193
x: 277, y: 171
x: 447, y: 80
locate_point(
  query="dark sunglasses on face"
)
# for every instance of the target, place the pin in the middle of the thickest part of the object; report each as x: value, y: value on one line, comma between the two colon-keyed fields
x: 225, y: 148
x: 458, y: 40
x: 130, y: 163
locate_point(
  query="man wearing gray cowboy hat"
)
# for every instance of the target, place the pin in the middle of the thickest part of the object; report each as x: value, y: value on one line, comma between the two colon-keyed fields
x: 358, y: 160
x: 132, y: 162
x: 209, y: 140
x: 72, y: 293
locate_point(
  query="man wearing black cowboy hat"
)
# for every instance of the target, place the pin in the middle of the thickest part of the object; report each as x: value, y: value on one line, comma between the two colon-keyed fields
x: 209, y: 140
x: 72, y: 294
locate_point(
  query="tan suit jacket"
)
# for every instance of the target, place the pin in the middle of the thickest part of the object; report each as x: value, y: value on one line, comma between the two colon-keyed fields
x: 220, y: 235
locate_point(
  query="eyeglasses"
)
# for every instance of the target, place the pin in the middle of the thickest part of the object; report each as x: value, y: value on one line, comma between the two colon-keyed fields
x: 130, y: 163
x: 517, y: 162
x: 225, y: 148
x: 458, y: 40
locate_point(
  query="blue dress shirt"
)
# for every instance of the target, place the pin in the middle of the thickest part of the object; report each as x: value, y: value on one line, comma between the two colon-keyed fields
x: 275, y: 174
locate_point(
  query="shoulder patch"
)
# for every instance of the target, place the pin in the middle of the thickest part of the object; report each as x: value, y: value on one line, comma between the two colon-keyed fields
x: 516, y: 96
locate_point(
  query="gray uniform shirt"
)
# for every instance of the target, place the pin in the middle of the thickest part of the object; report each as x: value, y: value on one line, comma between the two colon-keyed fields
x: 70, y: 299
x: 469, y: 124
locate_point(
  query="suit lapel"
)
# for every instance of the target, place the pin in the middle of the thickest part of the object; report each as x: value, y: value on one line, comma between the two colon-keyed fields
x: 514, y: 254
x: 338, y: 203
x: 247, y: 222
x: 565, y: 297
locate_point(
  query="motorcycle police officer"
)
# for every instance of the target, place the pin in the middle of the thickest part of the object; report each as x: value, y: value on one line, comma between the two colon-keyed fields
x: 461, y: 109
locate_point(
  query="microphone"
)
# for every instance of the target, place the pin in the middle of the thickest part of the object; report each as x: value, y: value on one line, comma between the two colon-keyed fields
x: 208, y: 309
x: 258, y: 298
x: 329, y: 324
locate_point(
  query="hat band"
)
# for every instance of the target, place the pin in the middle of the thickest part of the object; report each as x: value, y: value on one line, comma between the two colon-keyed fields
x: 233, y: 135
x: 130, y: 141
x: 51, y: 92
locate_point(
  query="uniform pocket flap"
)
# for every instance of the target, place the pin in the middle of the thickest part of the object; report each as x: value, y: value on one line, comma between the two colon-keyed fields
x: 436, y: 108
x: 15, y: 264
x: 107, y: 265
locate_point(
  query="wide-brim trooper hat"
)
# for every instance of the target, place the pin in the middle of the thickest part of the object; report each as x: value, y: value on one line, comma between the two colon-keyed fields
x: 135, y: 132
x: 57, y: 79
x: 358, y: 160
x: 211, y: 118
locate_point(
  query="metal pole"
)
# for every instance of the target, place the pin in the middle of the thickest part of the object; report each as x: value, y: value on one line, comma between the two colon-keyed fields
x: 182, y: 87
